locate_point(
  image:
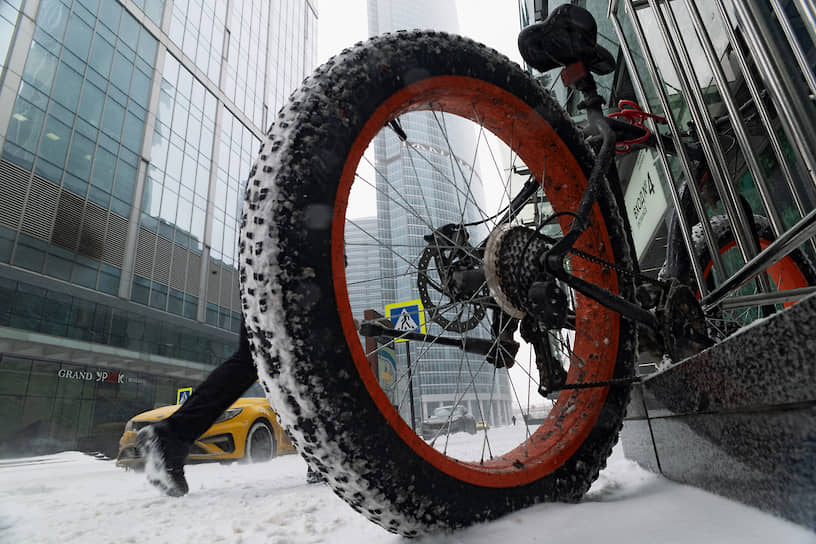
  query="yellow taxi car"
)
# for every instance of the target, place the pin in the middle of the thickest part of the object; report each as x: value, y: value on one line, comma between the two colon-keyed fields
x: 248, y: 430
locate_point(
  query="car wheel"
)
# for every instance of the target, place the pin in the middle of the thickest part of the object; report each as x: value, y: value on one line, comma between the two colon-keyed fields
x: 260, y: 443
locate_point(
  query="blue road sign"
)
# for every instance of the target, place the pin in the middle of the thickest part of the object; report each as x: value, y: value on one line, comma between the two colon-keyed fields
x: 408, y: 316
x: 183, y: 394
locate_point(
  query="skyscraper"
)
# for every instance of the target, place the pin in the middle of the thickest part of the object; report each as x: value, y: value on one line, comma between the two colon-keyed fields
x: 127, y: 132
x: 423, y: 184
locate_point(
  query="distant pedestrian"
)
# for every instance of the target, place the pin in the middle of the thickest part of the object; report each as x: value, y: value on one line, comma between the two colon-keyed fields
x: 514, y: 420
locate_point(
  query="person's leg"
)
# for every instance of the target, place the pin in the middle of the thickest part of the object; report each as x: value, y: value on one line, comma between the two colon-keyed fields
x: 166, y: 444
x: 225, y: 384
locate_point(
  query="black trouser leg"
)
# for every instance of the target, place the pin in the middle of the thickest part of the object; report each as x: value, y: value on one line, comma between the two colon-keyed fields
x: 216, y: 393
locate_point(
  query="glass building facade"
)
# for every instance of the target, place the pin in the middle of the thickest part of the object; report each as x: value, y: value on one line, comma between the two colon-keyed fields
x: 424, y: 184
x: 127, y: 130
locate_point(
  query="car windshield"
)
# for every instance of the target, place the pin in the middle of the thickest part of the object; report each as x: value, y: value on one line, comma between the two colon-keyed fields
x: 255, y: 391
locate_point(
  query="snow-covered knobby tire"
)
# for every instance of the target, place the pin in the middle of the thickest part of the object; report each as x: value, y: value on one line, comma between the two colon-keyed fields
x: 311, y: 265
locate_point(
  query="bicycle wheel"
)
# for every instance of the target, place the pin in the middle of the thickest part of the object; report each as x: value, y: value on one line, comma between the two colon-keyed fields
x: 791, y: 272
x: 329, y: 233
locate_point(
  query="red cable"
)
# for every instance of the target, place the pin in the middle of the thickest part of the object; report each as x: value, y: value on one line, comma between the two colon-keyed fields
x: 634, y: 115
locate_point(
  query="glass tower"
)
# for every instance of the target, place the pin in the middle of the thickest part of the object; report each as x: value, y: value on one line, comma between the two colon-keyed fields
x: 424, y: 185
x: 127, y: 130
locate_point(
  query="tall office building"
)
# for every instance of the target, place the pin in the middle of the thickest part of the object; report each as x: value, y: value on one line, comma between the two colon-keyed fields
x: 426, y: 186
x: 127, y: 129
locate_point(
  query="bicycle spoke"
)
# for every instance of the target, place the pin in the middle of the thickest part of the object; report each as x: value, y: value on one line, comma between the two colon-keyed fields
x: 474, y: 381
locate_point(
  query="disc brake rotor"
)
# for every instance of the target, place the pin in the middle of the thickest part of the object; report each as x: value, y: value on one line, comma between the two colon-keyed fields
x: 457, y: 307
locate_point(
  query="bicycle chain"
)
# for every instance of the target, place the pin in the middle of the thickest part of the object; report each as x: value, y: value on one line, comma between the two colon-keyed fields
x: 617, y: 268
x: 637, y: 276
x: 602, y: 383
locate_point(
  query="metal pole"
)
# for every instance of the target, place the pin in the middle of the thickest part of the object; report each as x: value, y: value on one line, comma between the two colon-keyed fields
x: 680, y: 59
x: 762, y: 109
x: 685, y: 161
x: 735, y: 117
x: 777, y: 297
x: 410, y: 383
x: 793, y: 110
x: 807, y: 9
x: 798, y: 52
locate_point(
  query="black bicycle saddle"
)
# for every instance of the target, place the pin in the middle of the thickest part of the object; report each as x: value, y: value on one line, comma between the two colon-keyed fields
x: 568, y: 35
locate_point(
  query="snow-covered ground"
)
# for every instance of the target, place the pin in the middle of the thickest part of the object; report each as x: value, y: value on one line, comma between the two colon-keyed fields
x: 73, y: 498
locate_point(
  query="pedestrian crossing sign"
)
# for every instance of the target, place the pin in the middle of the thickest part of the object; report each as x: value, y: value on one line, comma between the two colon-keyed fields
x: 408, y: 316
x: 183, y: 394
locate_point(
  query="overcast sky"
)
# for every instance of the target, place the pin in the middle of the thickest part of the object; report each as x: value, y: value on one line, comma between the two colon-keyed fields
x: 494, y: 22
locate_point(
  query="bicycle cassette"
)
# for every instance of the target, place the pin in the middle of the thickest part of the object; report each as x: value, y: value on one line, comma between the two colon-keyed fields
x: 510, y: 267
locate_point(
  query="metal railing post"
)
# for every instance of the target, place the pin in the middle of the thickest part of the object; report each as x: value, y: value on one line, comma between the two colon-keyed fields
x: 792, y: 107
x: 735, y: 118
x: 685, y: 161
x: 661, y: 149
x: 715, y: 159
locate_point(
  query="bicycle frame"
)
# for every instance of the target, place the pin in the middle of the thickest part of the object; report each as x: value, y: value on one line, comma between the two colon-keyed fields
x: 579, y: 78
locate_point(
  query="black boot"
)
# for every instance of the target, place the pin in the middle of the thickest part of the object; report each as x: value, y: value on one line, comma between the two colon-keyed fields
x: 314, y: 477
x: 164, y: 456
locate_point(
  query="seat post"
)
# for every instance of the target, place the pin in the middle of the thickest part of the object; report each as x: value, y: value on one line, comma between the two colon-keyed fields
x: 576, y: 76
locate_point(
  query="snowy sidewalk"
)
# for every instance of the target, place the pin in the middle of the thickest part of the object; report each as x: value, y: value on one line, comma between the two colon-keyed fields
x: 73, y: 498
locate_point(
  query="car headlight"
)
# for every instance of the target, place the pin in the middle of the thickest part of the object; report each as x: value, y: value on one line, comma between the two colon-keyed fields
x: 228, y: 414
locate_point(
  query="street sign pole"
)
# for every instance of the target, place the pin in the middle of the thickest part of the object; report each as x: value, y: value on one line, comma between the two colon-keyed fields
x: 410, y: 383
x: 408, y: 316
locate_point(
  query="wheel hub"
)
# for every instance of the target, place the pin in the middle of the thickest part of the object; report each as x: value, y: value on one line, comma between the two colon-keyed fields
x: 450, y: 266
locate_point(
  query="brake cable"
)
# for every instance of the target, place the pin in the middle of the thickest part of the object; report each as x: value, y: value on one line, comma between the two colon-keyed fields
x: 634, y: 115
